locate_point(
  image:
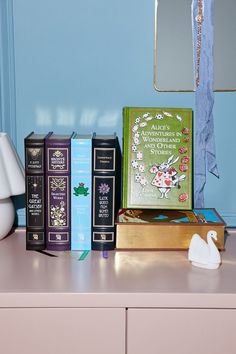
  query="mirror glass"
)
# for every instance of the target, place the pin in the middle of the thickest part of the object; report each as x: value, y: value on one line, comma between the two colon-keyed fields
x: 225, y: 45
x: 173, y: 51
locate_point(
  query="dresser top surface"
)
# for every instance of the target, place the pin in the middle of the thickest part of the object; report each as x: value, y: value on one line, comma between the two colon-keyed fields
x: 124, y: 279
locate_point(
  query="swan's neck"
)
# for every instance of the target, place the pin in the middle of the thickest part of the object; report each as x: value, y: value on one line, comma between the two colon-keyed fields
x: 212, y: 247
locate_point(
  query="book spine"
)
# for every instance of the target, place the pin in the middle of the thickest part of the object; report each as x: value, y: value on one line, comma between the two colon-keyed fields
x: 35, y: 192
x: 126, y: 152
x: 81, y: 194
x: 57, y: 158
x: 105, y: 194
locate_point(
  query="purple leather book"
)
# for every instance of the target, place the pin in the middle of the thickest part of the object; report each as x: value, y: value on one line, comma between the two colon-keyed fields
x: 58, y: 180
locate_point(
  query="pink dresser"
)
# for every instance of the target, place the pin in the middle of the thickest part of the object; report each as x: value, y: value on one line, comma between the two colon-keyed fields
x: 131, y: 303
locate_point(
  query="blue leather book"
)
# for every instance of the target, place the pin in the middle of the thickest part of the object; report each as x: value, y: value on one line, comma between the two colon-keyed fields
x: 81, y: 194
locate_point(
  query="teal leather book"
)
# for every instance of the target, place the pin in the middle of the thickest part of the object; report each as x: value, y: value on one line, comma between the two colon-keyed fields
x: 81, y: 193
x: 157, y: 163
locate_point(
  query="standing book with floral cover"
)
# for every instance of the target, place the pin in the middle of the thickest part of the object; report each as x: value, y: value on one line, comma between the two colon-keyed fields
x: 157, y: 158
x: 58, y: 184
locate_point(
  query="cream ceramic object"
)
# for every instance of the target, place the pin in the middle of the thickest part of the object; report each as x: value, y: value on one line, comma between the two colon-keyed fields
x: 204, y: 254
x: 12, y: 182
x: 7, y: 213
x: 12, y: 176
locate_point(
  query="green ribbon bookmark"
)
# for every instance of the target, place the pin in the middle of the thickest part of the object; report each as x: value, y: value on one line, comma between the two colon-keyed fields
x: 83, y: 255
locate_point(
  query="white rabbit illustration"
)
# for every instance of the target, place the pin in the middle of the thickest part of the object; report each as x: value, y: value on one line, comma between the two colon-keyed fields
x: 166, y: 176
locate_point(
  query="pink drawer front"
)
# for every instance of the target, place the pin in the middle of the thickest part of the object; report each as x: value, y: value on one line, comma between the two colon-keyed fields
x: 181, y: 331
x: 62, y: 331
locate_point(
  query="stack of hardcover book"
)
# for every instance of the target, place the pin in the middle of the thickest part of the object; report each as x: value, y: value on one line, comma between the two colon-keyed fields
x: 158, y: 181
x: 72, y: 191
x: 73, y: 187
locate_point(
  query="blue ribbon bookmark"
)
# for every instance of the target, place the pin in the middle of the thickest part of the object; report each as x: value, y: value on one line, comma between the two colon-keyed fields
x: 203, y: 40
x: 105, y: 254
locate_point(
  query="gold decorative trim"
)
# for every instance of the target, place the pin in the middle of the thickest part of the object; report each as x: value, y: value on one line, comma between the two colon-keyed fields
x: 49, y: 162
x: 67, y: 192
x: 103, y: 233
x: 59, y: 233
x: 96, y: 150
x: 113, y: 201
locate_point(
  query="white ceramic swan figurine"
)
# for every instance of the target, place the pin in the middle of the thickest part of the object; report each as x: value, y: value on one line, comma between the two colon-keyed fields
x: 204, y: 254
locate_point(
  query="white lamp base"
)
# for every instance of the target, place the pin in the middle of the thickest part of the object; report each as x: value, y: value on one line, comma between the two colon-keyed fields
x: 7, y: 216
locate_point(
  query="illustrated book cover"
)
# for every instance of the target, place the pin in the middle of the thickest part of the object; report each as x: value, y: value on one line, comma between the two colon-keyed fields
x: 157, y: 162
x: 81, y: 191
x: 166, y: 229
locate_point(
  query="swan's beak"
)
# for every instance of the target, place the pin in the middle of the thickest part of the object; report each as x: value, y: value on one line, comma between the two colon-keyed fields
x: 215, y: 236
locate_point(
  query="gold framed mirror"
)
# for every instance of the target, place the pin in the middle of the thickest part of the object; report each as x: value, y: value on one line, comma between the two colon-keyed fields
x: 173, y: 49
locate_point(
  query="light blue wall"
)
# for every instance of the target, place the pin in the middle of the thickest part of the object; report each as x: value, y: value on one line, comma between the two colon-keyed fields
x: 77, y: 63
x: 7, y: 71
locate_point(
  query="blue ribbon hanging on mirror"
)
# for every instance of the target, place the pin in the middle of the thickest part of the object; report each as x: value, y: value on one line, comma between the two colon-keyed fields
x: 204, y: 152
